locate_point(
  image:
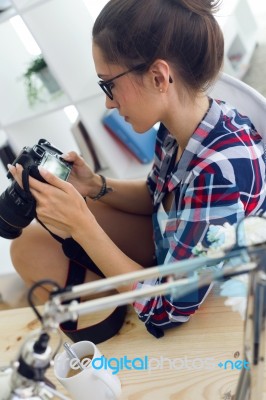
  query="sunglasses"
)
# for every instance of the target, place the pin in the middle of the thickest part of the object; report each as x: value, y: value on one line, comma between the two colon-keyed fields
x: 107, y: 86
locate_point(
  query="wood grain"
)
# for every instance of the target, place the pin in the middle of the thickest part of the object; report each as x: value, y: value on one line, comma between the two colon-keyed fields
x: 215, y: 331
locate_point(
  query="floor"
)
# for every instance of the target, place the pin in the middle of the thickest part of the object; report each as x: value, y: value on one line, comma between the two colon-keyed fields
x: 12, y: 289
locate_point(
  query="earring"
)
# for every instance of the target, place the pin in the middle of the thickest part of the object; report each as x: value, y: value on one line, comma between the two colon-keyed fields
x: 161, y: 90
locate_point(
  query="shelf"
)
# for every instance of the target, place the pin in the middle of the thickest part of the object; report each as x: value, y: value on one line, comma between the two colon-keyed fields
x: 4, y: 182
x: 236, y: 53
x: 239, y: 55
x: 226, y: 11
x: 3, y: 179
x: 24, y: 112
x: 239, y: 36
x: 22, y: 5
x: 55, y: 127
x: 5, y: 15
x: 121, y: 163
x: 3, y: 137
x: 95, y: 7
x: 66, y: 45
x: 62, y: 29
x: 14, y: 104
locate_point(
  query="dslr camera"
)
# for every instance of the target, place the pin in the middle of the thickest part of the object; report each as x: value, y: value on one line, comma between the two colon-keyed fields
x: 17, y: 205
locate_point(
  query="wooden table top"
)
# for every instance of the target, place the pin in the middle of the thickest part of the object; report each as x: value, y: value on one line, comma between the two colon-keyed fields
x: 183, y: 356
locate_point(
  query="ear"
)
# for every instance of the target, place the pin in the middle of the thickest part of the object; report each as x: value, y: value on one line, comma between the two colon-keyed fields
x: 160, y: 73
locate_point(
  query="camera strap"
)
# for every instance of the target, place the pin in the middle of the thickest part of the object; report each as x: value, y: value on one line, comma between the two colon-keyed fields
x: 25, y: 181
x: 79, y: 262
x: 96, y: 333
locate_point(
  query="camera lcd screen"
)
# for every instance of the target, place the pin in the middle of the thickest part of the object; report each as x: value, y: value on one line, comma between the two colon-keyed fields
x: 56, y: 167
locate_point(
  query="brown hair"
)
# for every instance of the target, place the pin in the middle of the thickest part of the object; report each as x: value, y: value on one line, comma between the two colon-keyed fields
x: 182, y: 32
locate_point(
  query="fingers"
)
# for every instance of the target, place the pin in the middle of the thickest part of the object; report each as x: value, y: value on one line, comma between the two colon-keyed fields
x: 49, y: 178
x: 37, y: 186
x: 16, y: 172
x: 72, y: 156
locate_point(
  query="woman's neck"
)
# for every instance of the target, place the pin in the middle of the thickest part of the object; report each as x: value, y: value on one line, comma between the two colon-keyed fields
x: 182, y: 120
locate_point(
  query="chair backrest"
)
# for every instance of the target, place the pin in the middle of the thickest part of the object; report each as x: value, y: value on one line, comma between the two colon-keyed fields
x: 244, y: 98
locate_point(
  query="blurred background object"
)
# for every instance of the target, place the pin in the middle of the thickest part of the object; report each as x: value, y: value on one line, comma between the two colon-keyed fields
x: 4, y: 5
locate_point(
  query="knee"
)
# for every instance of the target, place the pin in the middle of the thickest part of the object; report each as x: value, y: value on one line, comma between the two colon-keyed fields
x: 25, y: 248
x: 35, y: 253
x: 19, y: 252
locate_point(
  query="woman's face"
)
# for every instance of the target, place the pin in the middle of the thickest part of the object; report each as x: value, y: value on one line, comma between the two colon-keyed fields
x: 134, y: 97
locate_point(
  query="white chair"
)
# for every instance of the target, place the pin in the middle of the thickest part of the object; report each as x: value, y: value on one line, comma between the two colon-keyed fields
x: 250, y: 102
x: 247, y: 100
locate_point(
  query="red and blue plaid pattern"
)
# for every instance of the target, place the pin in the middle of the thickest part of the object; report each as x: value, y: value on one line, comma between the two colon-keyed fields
x: 219, y: 178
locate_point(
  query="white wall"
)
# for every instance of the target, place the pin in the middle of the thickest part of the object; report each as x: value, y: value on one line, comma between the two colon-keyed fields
x: 258, y: 8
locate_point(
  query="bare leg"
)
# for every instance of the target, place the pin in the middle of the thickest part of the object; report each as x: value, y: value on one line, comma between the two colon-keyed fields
x: 133, y: 234
x: 36, y: 255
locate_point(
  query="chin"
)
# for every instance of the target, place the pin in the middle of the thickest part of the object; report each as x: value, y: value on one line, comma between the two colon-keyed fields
x: 140, y: 129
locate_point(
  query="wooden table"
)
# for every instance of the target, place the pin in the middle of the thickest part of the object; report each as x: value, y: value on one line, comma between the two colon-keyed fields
x: 215, y: 332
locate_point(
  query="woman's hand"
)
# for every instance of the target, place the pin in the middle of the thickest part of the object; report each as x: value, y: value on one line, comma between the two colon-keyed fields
x: 59, y: 204
x: 81, y: 173
x: 16, y: 172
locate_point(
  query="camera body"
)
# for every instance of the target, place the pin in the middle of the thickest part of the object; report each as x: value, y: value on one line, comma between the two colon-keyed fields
x: 17, y: 205
x: 43, y: 154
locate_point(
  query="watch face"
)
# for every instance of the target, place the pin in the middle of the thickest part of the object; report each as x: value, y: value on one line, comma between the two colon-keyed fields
x: 5, y: 4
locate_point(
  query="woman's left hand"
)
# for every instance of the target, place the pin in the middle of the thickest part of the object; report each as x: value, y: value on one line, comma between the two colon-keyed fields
x: 59, y: 204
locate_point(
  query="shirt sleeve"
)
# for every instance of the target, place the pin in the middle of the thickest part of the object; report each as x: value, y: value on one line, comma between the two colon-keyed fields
x: 209, y: 199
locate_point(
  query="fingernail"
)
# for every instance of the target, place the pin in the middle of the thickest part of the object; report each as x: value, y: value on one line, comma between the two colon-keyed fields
x: 65, y: 155
x: 9, y: 166
x: 42, y: 170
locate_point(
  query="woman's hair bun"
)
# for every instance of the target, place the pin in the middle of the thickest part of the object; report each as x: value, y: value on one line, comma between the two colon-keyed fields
x: 201, y: 7
x: 182, y: 32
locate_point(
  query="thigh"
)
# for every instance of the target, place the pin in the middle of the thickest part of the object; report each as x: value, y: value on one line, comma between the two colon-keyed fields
x: 36, y: 255
x: 132, y: 233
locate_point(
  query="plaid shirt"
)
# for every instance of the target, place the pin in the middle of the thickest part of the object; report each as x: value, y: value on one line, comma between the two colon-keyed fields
x: 219, y: 178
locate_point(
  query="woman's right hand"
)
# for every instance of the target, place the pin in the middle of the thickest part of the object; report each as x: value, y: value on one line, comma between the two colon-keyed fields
x: 81, y: 173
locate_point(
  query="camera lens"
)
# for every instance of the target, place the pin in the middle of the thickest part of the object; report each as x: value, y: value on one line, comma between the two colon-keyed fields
x: 17, y: 210
x: 7, y: 231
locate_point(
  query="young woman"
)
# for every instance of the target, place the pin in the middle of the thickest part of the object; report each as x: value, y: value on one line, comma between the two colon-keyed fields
x: 155, y: 59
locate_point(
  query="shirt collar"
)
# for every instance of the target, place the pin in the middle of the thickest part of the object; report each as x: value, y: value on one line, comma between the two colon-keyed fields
x: 181, y: 171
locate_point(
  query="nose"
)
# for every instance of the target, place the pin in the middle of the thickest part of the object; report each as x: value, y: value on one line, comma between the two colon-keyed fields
x: 110, y: 104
